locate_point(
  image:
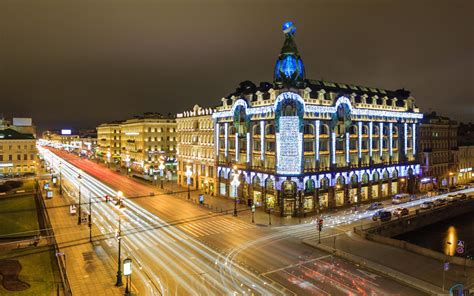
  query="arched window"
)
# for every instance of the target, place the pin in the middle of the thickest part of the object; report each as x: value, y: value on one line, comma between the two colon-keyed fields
x: 269, y: 185
x: 256, y: 182
x: 354, y: 180
x: 365, y: 129
x: 309, y: 129
x: 340, y: 181
x: 256, y: 130
x: 365, y: 178
x: 395, y: 131
x: 385, y: 176
x: 375, y: 177
x: 232, y: 130
x: 395, y: 174
x: 353, y: 130
x: 324, y: 183
x: 270, y: 129
x: 309, y: 186
x: 323, y: 129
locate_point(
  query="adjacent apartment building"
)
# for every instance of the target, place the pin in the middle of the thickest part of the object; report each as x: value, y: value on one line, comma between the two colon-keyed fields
x: 139, y: 143
x: 438, y: 153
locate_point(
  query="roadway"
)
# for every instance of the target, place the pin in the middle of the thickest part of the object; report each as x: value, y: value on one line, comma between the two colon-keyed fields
x: 184, y: 249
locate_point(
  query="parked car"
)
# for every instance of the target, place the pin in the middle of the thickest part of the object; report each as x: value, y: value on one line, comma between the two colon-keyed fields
x: 400, y: 198
x: 399, y: 212
x: 426, y: 205
x: 452, y: 198
x: 375, y: 206
x: 382, y: 215
x: 461, y: 196
x: 439, y: 202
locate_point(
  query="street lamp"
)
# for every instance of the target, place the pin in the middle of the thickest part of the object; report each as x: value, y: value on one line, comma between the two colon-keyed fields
x: 189, y: 173
x: 127, y: 272
x: 127, y: 162
x: 161, y: 167
x: 108, y: 158
x: 235, y: 182
x: 118, y: 235
x: 60, y: 180
x: 79, y: 178
x: 119, y: 198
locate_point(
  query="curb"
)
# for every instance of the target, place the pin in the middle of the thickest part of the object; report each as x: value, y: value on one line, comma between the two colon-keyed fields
x: 378, y: 268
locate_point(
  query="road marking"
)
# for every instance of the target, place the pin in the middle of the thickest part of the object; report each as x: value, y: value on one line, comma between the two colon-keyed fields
x: 296, y: 264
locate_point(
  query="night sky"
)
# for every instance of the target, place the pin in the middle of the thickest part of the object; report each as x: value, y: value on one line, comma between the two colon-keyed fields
x: 80, y: 63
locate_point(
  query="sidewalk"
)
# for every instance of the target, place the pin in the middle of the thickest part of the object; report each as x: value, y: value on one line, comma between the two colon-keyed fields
x: 89, y: 268
x: 421, y: 272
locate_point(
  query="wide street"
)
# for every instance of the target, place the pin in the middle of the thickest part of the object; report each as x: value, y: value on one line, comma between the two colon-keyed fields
x: 179, y: 248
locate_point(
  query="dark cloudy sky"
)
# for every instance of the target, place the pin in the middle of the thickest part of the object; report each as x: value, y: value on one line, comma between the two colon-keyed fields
x: 79, y: 63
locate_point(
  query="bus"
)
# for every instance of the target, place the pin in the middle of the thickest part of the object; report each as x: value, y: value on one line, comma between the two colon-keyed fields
x: 400, y: 198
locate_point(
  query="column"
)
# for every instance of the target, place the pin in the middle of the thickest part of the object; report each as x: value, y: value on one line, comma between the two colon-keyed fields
x: 371, y: 125
x: 380, y: 138
x: 333, y: 147
x: 317, y: 124
x: 348, y: 159
x: 248, y: 147
x: 413, y: 133
x: 226, y: 144
x: 359, y: 138
x: 217, y: 141
x: 262, y: 140
x: 390, y: 138
x: 405, y: 138
x: 237, y: 152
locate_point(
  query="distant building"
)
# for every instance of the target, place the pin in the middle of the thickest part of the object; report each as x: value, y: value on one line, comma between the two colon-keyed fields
x: 438, y: 153
x: 465, y: 172
x: 81, y: 141
x: 22, y: 125
x: 17, y: 153
x: 196, y: 153
x: 139, y: 143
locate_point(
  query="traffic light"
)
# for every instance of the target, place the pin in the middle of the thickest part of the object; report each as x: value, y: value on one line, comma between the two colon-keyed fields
x: 320, y: 224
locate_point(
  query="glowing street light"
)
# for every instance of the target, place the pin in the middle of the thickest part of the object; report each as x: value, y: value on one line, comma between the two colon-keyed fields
x: 189, y: 173
x: 79, y: 178
x: 109, y: 155
x: 235, y: 182
x: 127, y: 162
x: 161, y: 167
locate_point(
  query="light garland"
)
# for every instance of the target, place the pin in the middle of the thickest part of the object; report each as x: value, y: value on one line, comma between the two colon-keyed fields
x: 317, y: 124
x: 316, y: 108
x: 413, y: 136
x: 390, y: 138
x: 226, y: 127
x: 380, y: 138
x: 262, y: 138
x: 359, y: 135
x: 248, y: 147
x: 236, y: 146
x: 333, y: 147
x: 371, y: 125
x: 347, y: 148
x: 405, y: 137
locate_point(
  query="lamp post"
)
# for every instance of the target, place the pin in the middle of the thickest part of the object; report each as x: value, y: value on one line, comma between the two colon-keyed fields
x: 161, y: 167
x: 127, y: 272
x: 60, y: 180
x: 235, y: 182
x: 119, y: 198
x: 90, y: 219
x: 108, y: 158
x: 189, y: 173
x: 79, y: 210
x: 127, y: 162
x: 118, y: 235
x: 451, y: 181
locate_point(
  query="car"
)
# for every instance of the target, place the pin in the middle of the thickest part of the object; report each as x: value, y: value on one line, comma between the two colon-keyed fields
x: 426, y: 205
x: 399, y: 212
x: 461, y: 196
x: 439, y: 202
x: 382, y: 215
x: 375, y: 206
x: 452, y: 198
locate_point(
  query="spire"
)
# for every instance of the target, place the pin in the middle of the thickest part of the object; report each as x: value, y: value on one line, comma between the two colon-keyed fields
x: 289, y: 68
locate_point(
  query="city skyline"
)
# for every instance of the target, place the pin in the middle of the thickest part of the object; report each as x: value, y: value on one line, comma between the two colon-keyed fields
x: 116, y: 63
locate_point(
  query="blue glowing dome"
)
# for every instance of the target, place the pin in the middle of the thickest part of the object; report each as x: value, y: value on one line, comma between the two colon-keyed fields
x: 289, y: 28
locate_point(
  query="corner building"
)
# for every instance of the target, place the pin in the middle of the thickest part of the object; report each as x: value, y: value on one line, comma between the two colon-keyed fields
x: 299, y: 145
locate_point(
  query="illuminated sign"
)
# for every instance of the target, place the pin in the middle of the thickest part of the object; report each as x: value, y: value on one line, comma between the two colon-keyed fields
x: 132, y: 134
x: 289, y: 146
x: 127, y: 267
x: 6, y: 165
x: 66, y: 132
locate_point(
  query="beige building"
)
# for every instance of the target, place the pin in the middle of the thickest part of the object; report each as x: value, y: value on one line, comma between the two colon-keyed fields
x: 196, y: 153
x: 17, y: 153
x: 139, y: 143
x: 109, y: 140
x: 466, y: 164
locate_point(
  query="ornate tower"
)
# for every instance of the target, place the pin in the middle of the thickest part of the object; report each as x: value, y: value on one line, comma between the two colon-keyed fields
x: 289, y: 68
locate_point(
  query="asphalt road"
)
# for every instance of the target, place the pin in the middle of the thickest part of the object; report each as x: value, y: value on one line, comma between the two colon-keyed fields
x: 182, y: 249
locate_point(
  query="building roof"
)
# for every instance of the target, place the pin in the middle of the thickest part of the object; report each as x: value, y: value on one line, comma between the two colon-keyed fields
x: 10, y: 134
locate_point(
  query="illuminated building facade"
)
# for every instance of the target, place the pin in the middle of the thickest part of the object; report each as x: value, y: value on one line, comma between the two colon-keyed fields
x: 109, y: 141
x: 301, y: 145
x: 17, y: 153
x: 438, y: 153
x: 196, y: 149
x: 147, y: 139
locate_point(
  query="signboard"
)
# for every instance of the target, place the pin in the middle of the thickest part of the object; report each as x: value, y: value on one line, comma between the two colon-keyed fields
x: 66, y: 132
x: 127, y: 267
x: 18, y: 121
x: 49, y: 194
x: 446, y: 266
x: 289, y: 146
x: 460, y: 247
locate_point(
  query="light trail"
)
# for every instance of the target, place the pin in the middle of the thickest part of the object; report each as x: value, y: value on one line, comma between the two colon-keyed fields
x: 181, y: 261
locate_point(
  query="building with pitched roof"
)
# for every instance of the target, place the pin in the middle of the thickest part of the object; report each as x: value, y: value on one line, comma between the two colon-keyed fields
x: 17, y: 153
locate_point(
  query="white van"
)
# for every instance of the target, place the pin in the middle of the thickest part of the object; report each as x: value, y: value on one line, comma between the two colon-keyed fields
x: 400, y: 198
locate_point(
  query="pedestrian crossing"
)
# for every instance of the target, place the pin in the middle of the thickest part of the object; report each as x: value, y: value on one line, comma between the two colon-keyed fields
x: 213, y: 226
